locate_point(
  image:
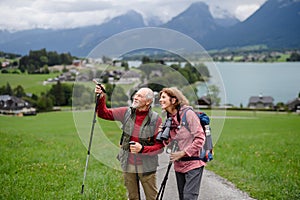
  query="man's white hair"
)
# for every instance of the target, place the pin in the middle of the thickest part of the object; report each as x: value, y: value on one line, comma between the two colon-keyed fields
x: 149, y: 93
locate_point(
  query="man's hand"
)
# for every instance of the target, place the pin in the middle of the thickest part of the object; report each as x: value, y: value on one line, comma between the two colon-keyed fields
x: 136, y: 147
x: 98, y: 90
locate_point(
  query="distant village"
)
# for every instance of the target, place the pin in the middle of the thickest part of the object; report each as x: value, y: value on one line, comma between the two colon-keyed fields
x: 256, y: 56
x: 12, y: 105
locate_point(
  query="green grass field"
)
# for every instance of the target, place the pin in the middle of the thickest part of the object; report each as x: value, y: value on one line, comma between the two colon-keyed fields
x: 30, y: 83
x: 42, y: 157
x: 260, y: 155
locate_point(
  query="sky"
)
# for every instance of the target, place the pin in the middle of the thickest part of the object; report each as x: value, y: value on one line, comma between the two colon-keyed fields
x: 18, y: 15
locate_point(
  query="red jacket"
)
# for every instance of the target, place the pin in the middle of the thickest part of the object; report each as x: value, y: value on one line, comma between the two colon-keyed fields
x: 117, y: 114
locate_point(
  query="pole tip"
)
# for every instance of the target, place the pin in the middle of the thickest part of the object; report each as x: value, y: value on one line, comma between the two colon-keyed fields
x: 82, y: 189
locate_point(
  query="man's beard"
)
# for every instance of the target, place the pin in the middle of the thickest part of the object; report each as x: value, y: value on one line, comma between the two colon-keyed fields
x: 135, y: 105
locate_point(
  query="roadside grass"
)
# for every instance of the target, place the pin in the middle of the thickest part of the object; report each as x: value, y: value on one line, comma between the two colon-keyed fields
x: 42, y: 157
x: 260, y: 154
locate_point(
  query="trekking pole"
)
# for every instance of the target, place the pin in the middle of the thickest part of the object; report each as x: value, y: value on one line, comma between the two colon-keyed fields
x: 137, y: 177
x: 164, y: 182
x: 91, y: 137
x: 136, y: 172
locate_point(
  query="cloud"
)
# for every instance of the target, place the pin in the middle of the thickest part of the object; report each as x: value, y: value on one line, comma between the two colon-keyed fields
x: 54, y: 14
x: 57, y: 14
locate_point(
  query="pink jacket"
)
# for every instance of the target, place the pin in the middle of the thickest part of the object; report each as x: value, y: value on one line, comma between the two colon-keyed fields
x: 188, y: 141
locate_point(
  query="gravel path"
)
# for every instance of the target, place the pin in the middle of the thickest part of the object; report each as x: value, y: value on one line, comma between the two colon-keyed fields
x: 213, y: 187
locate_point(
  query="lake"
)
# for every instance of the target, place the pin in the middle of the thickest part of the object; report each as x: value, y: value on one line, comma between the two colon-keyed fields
x: 242, y: 80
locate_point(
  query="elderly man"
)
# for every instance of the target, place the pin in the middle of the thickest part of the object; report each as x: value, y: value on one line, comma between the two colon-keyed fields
x: 139, y: 148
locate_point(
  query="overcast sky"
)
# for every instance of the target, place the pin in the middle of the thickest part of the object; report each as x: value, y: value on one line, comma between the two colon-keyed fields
x: 28, y: 14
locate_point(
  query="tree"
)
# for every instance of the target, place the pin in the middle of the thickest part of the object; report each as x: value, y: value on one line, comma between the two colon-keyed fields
x: 45, y: 70
x: 43, y: 60
x: 30, y: 68
x: 19, y: 91
x: 109, y: 90
x: 105, y: 79
x: 61, y: 94
x: 2, y: 90
x: 66, y: 59
x: 15, y: 63
x: 32, y: 100
x: 155, y: 86
x: 148, y: 68
x: 119, y: 97
x: 53, y: 58
x: 125, y: 65
x: 8, y: 90
x: 294, y: 57
x: 23, y: 62
x: 58, y: 94
x: 83, y: 97
x: 68, y: 89
x: 44, y: 103
x: 79, y: 96
x: 146, y: 59
x: 175, y: 67
x: 37, y: 58
x: 204, y: 72
x: 213, y: 94
x: 280, y: 106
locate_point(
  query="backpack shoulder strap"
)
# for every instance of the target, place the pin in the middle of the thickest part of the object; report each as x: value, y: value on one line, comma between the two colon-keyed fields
x: 183, y: 119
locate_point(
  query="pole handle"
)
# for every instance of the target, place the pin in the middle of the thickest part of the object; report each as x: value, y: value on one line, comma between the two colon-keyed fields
x: 99, y: 84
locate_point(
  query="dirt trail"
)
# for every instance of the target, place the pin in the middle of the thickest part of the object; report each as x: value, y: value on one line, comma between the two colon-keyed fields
x: 213, y: 187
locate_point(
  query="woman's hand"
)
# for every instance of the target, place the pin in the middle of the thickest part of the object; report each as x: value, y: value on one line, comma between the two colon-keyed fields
x: 177, y: 155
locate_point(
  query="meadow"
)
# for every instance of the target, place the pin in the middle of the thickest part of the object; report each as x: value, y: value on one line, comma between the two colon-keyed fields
x: 30, y: 83
x: 259, y: 153
x: 42, y: 157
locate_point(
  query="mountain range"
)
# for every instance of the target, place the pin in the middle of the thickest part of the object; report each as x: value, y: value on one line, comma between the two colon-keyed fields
x: 276, y: 24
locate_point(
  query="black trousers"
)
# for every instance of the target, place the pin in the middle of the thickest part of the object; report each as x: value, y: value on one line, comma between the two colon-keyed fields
x: 188, y: 184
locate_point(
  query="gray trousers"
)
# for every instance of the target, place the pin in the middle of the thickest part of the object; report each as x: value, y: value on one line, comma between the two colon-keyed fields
x: 188, y: 184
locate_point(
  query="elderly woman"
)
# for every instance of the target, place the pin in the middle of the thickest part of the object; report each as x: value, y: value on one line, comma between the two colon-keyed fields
x: 188, y: 170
